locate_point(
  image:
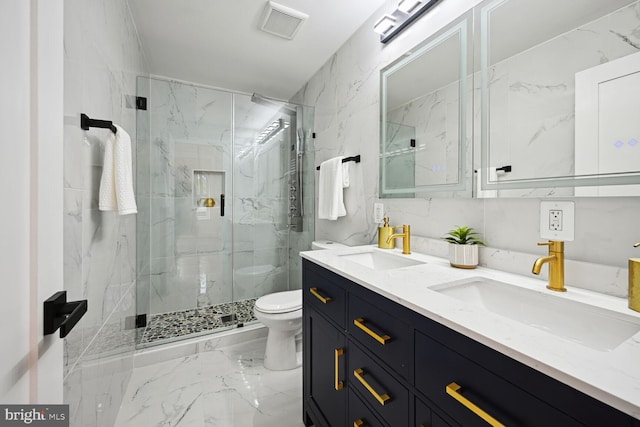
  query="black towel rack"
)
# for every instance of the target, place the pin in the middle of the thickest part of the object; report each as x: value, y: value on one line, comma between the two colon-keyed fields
x: 355, y: 159
x: 86, y: 122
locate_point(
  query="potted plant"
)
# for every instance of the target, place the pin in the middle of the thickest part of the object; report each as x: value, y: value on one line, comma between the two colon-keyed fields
x: 463, y: 247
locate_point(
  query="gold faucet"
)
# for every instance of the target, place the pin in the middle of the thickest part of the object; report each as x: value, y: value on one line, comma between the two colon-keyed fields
x: 406, y: 238
x: 556, y: 265
x: 634, y: 282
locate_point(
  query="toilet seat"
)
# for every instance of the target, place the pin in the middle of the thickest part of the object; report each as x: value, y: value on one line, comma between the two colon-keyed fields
x: 280, y: 302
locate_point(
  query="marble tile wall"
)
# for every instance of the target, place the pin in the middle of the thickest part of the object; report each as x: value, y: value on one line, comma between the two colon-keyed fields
x: 102, y: 58
x: 345, y: 93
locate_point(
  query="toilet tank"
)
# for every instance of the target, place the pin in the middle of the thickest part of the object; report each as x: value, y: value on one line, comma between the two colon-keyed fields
x: 326, y: 244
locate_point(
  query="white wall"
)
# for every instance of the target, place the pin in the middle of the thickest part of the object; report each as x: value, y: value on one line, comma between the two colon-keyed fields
x: 345, y: 93
x: 31, y: 165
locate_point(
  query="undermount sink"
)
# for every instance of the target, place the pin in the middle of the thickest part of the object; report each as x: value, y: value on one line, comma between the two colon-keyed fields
x: 381, y: 261
x: 591, y: 326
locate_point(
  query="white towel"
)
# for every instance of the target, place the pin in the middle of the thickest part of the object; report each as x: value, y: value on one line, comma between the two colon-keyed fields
x: 116, y: 184
x: 345, y: 174
x: 330, y: 199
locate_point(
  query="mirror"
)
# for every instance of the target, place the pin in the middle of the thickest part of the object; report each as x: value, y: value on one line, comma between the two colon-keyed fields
x: 557, y: 88
x: 424, y: 150
x: 551, y: 88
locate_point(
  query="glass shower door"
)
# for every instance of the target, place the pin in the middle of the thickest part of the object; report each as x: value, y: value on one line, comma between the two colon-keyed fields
x: 184, y: 173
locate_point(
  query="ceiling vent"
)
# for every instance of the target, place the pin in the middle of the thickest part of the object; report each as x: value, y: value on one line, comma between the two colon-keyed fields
x: 282, y: 21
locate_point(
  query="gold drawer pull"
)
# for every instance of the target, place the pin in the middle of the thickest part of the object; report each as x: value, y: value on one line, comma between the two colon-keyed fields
x: 382, y: 339
x: 339, y: 385
x: 382, y: 398
x: 453, y: 390
x: 358, y: 423
x: 315, y: 293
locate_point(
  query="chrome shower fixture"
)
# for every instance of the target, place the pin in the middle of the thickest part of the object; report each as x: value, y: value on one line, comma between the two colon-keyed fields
x: 271, y: 131
x: 256, y: 98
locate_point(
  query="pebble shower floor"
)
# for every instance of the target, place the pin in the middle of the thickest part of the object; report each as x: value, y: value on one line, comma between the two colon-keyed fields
x: 176, y: 324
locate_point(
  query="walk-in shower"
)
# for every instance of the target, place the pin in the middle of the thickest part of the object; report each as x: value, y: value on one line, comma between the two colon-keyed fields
x: 221, y: 196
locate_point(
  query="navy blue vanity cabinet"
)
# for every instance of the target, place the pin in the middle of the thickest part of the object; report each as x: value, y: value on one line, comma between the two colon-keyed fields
x: 459, y: 385
x: 360, y: 415
x: 382, y: 333
x: 325, y: 391
x: 398, y: 368
x: 506, y: 389
x: 326, y: 292
x: 324, y: 348
x: 379, y: 388
x: 425, y: 417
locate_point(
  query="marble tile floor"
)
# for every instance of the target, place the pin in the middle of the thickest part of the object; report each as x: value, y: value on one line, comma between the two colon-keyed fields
x: 225, y: 387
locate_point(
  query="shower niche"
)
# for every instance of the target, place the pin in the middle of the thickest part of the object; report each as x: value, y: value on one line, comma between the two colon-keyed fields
x: 207, y: 192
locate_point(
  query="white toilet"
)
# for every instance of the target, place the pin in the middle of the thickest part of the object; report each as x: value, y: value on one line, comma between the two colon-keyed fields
x: 281, y: 312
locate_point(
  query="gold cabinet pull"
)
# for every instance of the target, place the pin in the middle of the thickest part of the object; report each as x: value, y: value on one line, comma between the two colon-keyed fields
x: 382, y: 339
x: 339, y: 385
x: 382, y: 398
x: 453, y: 390
x: 315, y: 293
x: 358, y: 423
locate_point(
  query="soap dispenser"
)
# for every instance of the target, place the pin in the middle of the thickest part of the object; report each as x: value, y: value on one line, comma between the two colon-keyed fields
x: 634, y: 282
x: 383, y: 235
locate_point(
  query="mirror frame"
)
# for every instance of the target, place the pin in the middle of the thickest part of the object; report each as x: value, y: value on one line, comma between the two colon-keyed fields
x: 462, y: 28
x: 623, y: 178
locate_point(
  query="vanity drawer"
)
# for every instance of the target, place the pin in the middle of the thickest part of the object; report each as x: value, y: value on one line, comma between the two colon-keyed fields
x: 324, y: 291
x: 467, y: 392
x: 378, y: 388
x: 425, y: 417
x: 360, y: 415
x: 385, y: 335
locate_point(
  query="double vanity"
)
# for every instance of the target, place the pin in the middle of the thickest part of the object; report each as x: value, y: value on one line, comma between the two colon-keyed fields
x: 406, y: 340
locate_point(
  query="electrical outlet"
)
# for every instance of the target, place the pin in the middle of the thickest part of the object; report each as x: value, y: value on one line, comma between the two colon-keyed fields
x: 378, y: 212
x: 557, y: 221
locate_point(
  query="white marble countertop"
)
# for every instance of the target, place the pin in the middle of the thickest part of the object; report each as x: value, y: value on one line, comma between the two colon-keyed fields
x: 610, y: 376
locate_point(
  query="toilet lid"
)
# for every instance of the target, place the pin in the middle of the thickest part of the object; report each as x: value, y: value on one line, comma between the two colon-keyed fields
x: 280, y: 302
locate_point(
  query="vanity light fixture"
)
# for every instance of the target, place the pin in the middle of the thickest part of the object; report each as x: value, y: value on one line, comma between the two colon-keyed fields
x: 384, y: 24
x: 391, y: 25
x: 408, y: 6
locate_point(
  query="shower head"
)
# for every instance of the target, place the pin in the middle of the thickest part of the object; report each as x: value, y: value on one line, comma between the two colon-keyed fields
x: 268, y: 102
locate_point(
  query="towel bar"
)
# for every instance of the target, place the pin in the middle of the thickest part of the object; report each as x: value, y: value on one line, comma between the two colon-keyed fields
x: 86, y: 122
x: 347, y: 159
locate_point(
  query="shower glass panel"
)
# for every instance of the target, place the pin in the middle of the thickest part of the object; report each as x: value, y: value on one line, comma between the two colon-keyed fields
x: 221, y: 182
x: 262, y: 137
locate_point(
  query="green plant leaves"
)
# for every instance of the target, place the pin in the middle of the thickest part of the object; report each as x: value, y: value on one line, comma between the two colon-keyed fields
x: 463, y: 236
